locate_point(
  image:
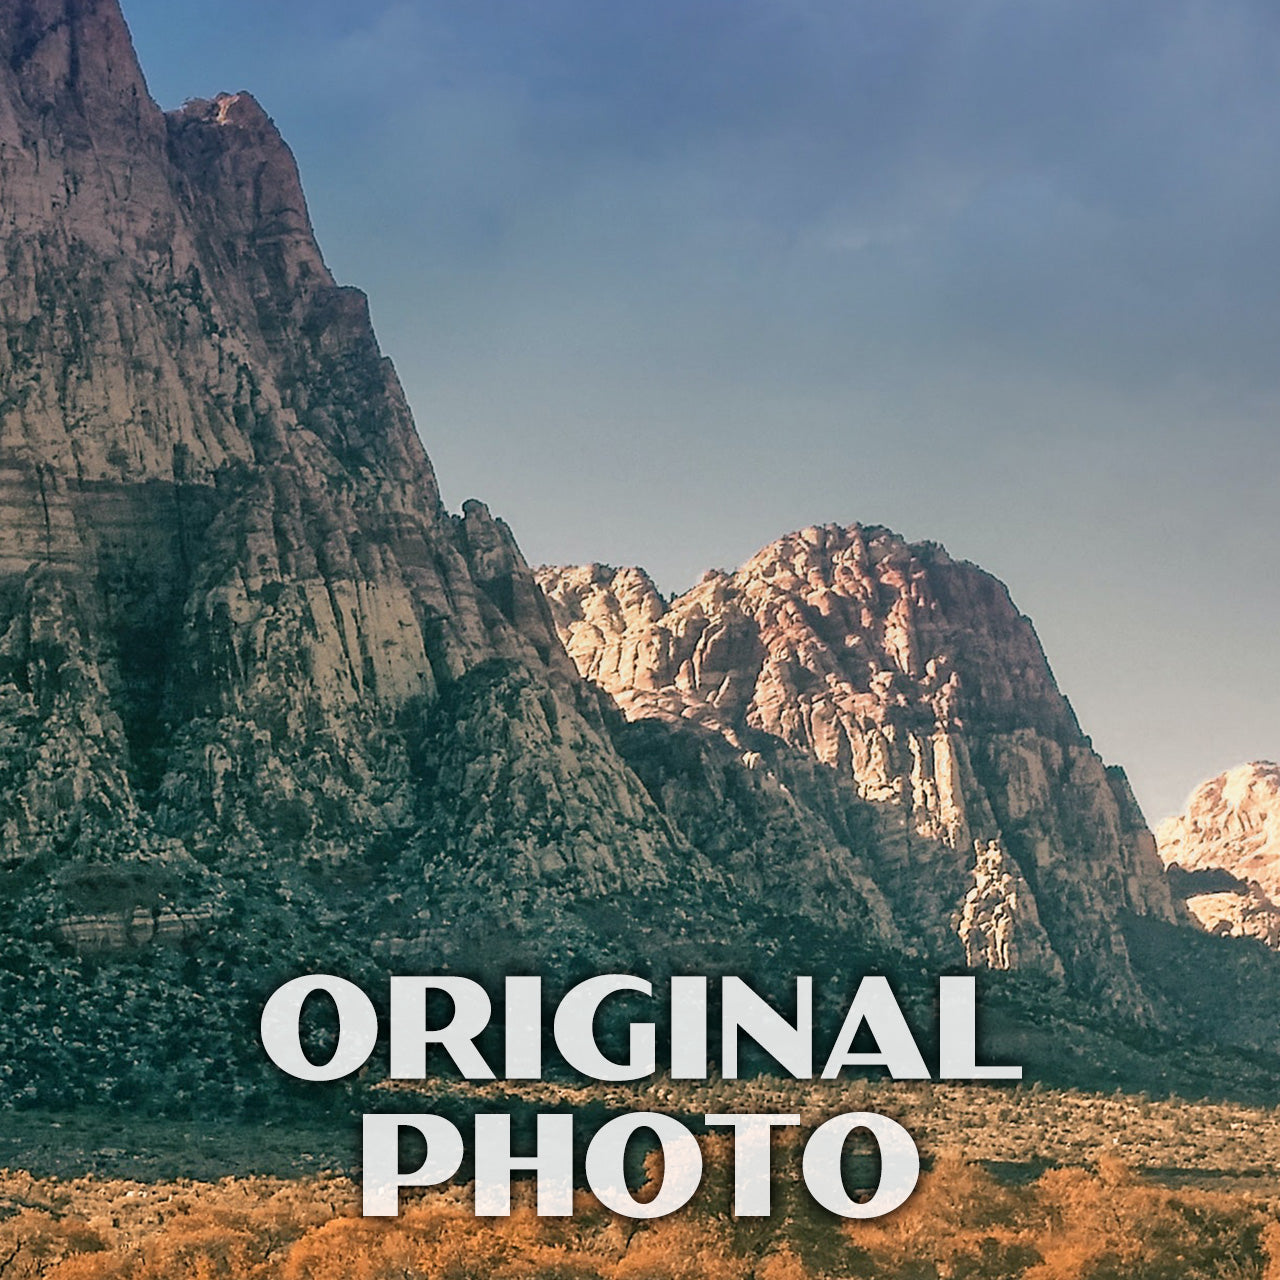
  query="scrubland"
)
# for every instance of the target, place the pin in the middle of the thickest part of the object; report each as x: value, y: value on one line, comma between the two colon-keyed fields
x: 1019, y: 1182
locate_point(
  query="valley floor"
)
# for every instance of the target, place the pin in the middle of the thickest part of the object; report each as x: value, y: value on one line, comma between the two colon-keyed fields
x: 1019, y: 1182
x: 1015, y: 1131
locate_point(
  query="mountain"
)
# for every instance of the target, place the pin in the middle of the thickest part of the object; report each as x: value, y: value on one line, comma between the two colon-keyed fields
x: 1223, y: 852
x: 231, y: 595
x: 990, y: 826
x: 261, y: 695
x: 266, y: 706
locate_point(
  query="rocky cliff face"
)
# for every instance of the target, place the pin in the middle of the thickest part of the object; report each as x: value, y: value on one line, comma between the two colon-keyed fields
x: 910, y: 683
x: 1223, y: 851
x: 230, y: 598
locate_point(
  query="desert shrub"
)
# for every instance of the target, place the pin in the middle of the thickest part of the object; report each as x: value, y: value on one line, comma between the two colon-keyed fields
x: 961, y: 1223
x: 1109, y: 1225
x: 95, y: 1266
x: 436, y: 1239
x: 202, y: 1250
x: 34, y: 1241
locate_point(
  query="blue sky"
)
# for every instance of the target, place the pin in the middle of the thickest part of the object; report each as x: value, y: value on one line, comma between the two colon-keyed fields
x: 664, y: 280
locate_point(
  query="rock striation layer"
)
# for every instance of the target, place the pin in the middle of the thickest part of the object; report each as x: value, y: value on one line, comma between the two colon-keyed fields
x: 1223, y: 852
x: 913, y: 685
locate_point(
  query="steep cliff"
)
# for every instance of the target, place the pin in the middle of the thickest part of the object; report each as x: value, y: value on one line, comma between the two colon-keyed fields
x: 989, y: 825
x: 230, y: 598
x: 1223, y: 852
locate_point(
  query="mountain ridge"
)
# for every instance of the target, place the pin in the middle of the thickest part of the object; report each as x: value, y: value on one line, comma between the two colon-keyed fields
x: 231, y: 592
x: 909, y: 674
x: 267, y: 706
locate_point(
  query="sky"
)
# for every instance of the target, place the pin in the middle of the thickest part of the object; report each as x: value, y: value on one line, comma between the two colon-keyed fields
x: 666, y: 279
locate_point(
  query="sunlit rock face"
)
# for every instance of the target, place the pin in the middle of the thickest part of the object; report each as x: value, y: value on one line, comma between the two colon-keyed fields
x: 1226, y: 845
x: 988, y: 821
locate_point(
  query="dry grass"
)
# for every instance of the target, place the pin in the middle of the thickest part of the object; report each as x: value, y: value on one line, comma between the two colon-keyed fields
x: 1068, y: 1224
x: 1139, y: 1189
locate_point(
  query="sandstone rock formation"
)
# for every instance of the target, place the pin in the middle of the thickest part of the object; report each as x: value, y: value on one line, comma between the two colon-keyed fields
x: 1226, y: 842
x: 1231, y: 908
x: 1230, y: 823
x: 230, y: 598
x: 924, y: 695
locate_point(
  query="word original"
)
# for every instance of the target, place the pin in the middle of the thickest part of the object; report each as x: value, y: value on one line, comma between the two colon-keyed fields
x: 743, y: 1012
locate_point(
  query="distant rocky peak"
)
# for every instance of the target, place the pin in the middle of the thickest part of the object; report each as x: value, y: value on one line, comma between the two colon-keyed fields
x: 1230, y: 822
x: 1223, y: 851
